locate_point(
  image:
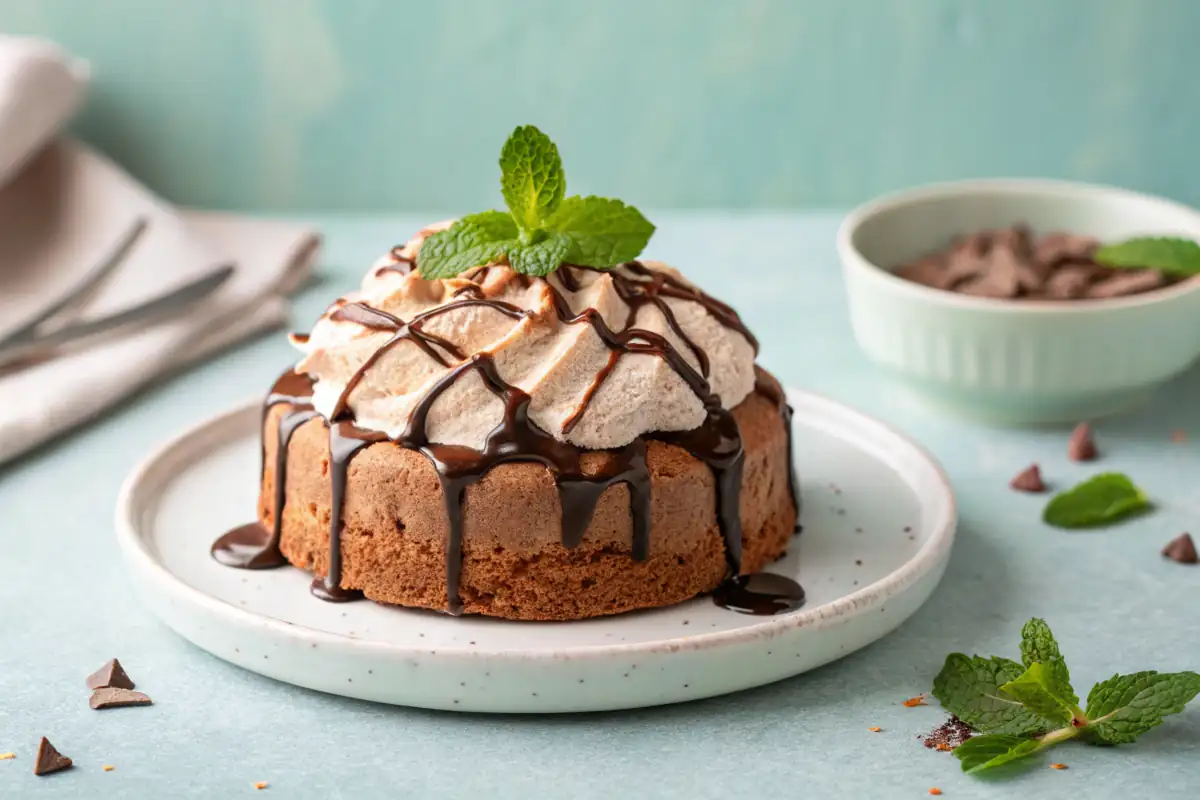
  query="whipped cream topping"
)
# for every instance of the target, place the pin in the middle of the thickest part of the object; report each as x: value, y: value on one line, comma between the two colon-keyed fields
x: 579, y: 391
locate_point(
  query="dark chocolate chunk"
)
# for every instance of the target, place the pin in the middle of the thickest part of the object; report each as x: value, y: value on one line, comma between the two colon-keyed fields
x: 927, y: 272
x: 1081, y: 446
x: 964, y: 268
x: 1016, y: 239
x: 112, y: 674
x: 1056, y: 248
x: 1015, y: 259
x: 975, y: 243
x: 1029, y: 480
x: 998, y: 278
x: 1068, y: 282
x: 117, y: 698
x: 1181, y: 549
x: 1009, y: 264
x: 1127, y: 282
x: 49, y: 759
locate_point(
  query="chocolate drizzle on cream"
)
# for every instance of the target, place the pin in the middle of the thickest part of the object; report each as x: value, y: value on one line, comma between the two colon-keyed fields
x: 717, y: 441
x: 400, y: 264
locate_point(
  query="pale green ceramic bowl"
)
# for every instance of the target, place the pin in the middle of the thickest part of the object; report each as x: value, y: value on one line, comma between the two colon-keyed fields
x: 1019, y: 362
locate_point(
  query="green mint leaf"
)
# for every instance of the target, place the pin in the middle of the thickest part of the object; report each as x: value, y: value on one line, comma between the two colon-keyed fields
x: 1124, y: 707
x: 1166, y: 254
x: 541, y: 230
x: 1033, y: 690
x: 1038, y: 646
x: 985, y: 752
x: 540, y: 258
x: 604, y: 232
x: 969, y: 688
x: 472, y: 241
x: 1099, y: 501
x: 531, y: 177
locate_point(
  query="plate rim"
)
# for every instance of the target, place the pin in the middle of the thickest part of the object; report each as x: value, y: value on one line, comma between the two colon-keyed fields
x: 932, y: 554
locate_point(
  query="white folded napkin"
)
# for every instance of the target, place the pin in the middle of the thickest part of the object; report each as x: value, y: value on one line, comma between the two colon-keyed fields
x: 62, y: 211
x: 40, y: 88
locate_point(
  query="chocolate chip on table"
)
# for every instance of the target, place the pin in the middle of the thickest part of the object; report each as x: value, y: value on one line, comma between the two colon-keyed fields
x: 49, y: 760
x: 112, y: 674
x: 1010, y: 263
x: 1181, y: 549
x: 1081, y: 446
x: 1028, y: 480
x: 117, y: 698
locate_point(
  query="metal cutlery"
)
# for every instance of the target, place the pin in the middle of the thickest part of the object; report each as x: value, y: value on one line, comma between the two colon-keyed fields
x: 52, y: 330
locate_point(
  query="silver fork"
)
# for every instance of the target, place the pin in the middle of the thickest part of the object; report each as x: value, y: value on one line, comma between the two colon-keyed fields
x: 51, y: 331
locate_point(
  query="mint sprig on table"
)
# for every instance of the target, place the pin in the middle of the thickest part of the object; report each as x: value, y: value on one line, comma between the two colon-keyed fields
x: 1101, y: 500
x: 1172, y: 255
x: 542, y: 228
x: 1024, y: 708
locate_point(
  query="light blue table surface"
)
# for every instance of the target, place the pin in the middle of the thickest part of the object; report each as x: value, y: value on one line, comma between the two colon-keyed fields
x: 1115, y: 604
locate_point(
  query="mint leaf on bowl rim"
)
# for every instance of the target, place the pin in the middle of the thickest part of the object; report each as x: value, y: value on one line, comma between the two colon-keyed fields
x: 1168, y: 254
x: 1101, y: 500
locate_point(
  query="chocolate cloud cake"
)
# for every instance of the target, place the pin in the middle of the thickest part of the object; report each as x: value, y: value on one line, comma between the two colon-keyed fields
x: 549, y: 444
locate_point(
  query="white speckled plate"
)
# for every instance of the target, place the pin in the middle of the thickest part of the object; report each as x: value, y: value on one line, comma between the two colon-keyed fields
x: 879, y: 518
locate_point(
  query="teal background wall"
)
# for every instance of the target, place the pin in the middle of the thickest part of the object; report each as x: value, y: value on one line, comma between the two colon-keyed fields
x: 403, y: 104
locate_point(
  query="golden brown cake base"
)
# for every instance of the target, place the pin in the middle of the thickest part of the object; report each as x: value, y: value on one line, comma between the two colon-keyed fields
x: 513, y: 562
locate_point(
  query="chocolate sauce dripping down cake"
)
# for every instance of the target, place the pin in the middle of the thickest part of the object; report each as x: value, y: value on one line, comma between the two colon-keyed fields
x: 717, y: 441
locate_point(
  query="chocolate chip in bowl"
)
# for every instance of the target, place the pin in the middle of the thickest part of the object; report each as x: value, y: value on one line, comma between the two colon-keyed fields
x: 1014, y: 263
x: 1025, y: 301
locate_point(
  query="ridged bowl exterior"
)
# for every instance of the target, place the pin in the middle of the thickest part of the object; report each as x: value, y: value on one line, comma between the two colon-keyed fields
x: 1022, y: 362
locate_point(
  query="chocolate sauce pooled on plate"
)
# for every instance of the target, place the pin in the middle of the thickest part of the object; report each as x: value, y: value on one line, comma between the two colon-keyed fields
x: 717, y: 442
x: 762, y: 594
